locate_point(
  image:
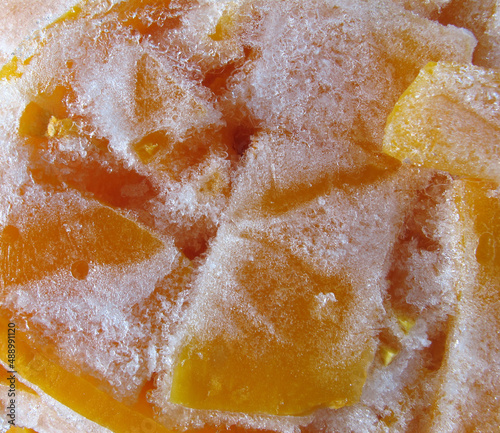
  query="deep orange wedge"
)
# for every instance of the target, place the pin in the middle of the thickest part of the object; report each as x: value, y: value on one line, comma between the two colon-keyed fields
x: 72, y: 239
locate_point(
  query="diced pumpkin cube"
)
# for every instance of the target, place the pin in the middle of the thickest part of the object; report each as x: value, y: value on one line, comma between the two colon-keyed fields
x: 289, y: 341
x: 448, y: 119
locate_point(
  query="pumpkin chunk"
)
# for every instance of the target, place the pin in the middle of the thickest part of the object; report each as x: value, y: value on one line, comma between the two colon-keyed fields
x: 449, y: 119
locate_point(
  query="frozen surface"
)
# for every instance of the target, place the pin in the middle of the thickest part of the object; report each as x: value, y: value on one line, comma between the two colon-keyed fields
x: 449, y: 118
x: 328, y: 68
x: 20, y: 18
x: 235, y: 146
x: 481, y: 17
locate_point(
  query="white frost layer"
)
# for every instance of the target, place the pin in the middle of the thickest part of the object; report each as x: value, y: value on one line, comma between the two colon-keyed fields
x: 20, y: 18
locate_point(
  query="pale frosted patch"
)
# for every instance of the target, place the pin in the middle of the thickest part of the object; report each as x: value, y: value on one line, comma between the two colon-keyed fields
x: 94, y: 320
x: 91, y: 321
x: 316, y: 81
x: 20, y: 18
x: 331, y: 75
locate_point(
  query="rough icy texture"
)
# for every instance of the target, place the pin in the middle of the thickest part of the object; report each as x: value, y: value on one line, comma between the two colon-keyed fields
x: 87, y: 322
x: 147, y: 91
x: 449, y: 119
x: 113, y: 91
x: 20, y: 18
x: 309, y: 186
x: 154, y: 106
x: 338, y: 229
x: 335, y: 69
x: 470, y: 376
x: 482, y: 17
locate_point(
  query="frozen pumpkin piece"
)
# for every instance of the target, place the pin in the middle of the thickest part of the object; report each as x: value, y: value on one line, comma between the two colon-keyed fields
x: 46, y: 114
x: 296, y: 287
x: 282, y: 322
x: 365, y: 63
x: 60, y: 236
x: 283, y: 173
x: 162, y: 99
x: 49, y: 415
x: 448, y: 119
x: 74, y: 391
x: 286, y: 340
x: 82, y: 278
x: 469, y: 378
x: 481, y: 17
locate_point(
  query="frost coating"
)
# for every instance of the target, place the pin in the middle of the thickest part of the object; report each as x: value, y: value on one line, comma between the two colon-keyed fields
x: 246, y: 137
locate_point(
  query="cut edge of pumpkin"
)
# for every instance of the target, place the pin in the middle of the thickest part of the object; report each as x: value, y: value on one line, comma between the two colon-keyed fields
x: 84, y: 398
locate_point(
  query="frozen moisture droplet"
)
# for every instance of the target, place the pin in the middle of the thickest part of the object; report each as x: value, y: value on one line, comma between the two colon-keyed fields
x: 80, y: 269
